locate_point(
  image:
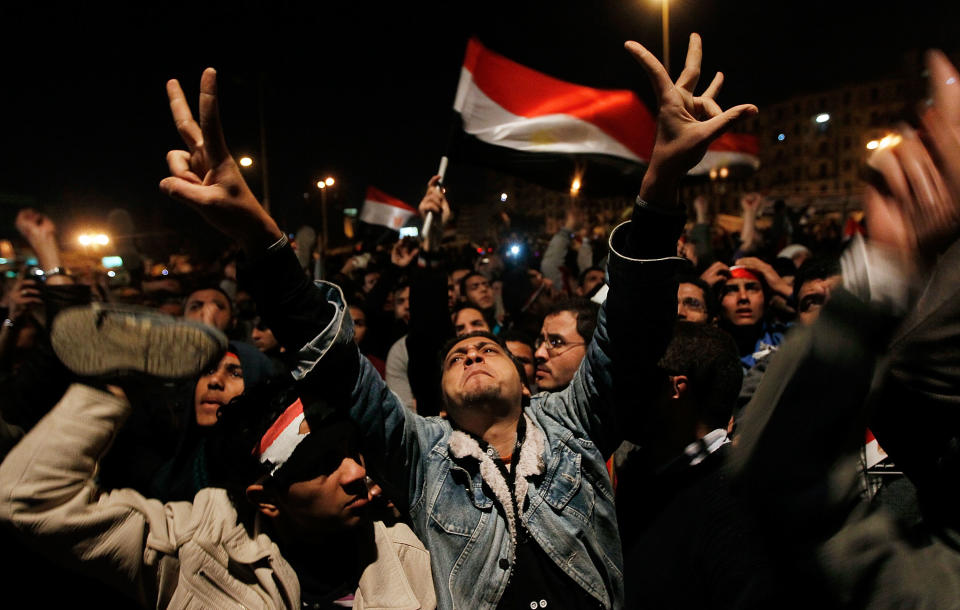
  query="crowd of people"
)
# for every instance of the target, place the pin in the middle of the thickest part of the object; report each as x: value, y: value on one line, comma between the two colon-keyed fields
x: 652, y: 414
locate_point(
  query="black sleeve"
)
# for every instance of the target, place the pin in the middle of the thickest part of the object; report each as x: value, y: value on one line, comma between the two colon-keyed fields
x: 430, y: 328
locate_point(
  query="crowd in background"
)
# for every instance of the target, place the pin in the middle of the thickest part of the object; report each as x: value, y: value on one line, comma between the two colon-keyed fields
x: 697, y: 522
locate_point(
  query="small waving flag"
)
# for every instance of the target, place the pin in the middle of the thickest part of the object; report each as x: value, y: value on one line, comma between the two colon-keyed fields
x: 382, y: 209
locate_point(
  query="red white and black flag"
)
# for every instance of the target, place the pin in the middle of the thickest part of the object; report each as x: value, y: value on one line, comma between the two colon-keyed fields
x: 527, y: 122
x: 507, y: 104
x: 382, y: 209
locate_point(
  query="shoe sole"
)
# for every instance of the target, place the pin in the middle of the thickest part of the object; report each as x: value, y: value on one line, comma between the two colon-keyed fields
x: 101, y: 340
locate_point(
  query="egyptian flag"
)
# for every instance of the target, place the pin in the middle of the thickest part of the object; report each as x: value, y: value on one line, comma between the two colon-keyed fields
x: 730, y: 150
x: 528, y: 123
x: 382, y: 209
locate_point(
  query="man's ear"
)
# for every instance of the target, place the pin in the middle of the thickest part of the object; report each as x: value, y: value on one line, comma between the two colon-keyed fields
x: 263, y: 500
x: 678, y: 386
x: 524, y: 390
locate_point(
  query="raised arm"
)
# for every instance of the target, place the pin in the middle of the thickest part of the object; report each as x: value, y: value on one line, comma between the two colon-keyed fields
x: 309, y: 319
x: 634, y: 324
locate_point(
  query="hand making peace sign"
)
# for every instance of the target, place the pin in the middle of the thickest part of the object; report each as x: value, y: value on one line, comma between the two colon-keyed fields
x: 206, y: 177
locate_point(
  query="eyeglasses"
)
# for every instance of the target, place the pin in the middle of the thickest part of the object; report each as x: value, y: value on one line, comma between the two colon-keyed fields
x: 692, y: 304
x: 556, y: 345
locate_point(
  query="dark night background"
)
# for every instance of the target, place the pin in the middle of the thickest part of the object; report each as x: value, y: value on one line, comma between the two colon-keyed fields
x: 363, y: 90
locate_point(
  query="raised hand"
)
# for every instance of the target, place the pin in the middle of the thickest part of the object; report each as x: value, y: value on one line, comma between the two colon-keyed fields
x: 686, y: 123
x: 717, y: 272
x: 909, y: 207
x: 402, y: 255
x: 701, y: 206
x: 435, y: 200
x: 35, y: 227
x: 751, y: 203
x: 776, y: 283
x: 206, y: 177
x: 24, y: 294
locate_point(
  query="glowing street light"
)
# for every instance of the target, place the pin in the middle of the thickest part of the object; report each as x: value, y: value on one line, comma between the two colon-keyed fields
x: 321, y: 185
x: 873, y: 144
x: 503, y: 197
x: 93, y: 239
x: 246, y: 161
x: 575, y: 186
x: 889, y: 141
x: 823, y: 117
x: 724, y: 172
x: 329, y: 181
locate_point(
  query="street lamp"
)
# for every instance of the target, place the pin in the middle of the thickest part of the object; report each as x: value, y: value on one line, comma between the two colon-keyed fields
x: 246, y: 161
x: 93, y: 239
x: 665, y: 23
x: 823, y: 117
x: 324, y: 185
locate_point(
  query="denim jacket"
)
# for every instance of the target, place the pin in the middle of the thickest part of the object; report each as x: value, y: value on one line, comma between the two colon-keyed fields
x: 567, y: 504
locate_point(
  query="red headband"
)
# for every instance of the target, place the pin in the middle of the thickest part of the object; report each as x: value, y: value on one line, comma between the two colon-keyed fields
x: 742, y: 273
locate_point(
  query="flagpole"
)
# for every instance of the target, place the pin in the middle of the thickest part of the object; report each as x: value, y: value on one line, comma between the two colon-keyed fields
x: 666, y: 34
x: 442, y: 172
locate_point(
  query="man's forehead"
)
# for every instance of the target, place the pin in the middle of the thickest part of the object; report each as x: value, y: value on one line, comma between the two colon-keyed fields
x: 474, y: 342
x: 563, y: 323
x: 468, y: 313
x: 688, y: 287
x: 207, y: 294
x: 742, y: 281
x: 230, y: 359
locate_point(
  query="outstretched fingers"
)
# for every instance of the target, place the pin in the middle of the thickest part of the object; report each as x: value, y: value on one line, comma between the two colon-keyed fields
x: 691, y: 69
x: 216, y: 144
x: 716, y: 125
x: 944, y: 86
x: 182, y: 117
x: 655, y: 71
x: 714, y: 88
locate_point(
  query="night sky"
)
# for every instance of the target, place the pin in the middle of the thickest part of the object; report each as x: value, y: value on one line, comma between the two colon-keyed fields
x: 363, y: 90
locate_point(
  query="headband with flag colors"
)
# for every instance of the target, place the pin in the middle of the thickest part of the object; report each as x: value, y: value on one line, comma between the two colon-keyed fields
x: 507, y: 104
x: 742, y: 273
x: 382, y: 209
x: 282, y: 438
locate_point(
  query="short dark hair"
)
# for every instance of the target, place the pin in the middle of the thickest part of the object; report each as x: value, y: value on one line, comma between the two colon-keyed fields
x: 583, y: 274
x: 517, y: 336
x: 463, y: 281
x: 461, y: 306
x: 817, y: 268
x: 216, y: 287
x: 709, y: 296
x: 583, y: 309
x: 707, y: 356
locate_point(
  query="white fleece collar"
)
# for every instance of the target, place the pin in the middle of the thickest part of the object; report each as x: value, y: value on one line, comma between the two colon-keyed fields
x: 527, y: 464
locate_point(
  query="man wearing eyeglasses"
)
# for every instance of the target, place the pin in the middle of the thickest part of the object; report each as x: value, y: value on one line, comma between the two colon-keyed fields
x: 694, y: 302
x: 567, y: 330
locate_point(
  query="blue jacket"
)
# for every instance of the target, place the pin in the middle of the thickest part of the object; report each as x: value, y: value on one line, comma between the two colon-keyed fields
x: 442, y: 479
